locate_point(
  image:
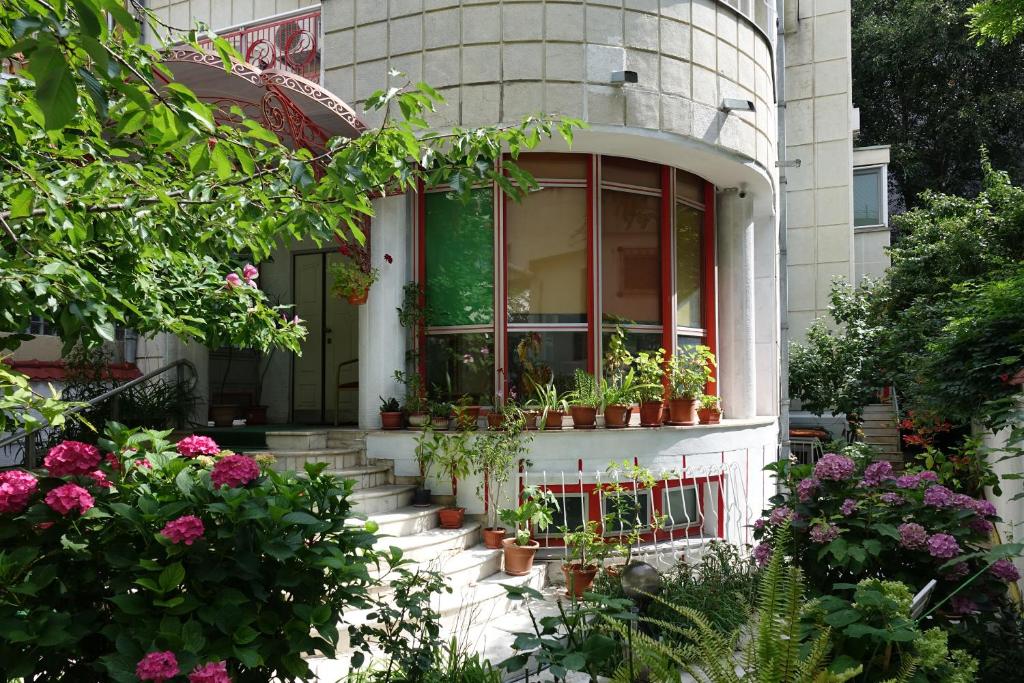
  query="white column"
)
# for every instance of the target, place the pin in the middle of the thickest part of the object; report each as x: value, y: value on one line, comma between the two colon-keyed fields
x: 381, y: 337
x: 736, y: 371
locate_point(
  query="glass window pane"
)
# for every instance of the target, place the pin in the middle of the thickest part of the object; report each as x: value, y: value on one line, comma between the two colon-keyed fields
x: 554, y: 166
x: 680, y: 506
x: 630, y: 172
x: 547, y: 257
x: 635, y: 341
x: 686, y: 340
x: 571, y: 514
x: 631, y: 256
x: 689, y: 186
x: 461, y: 365
x: 460, y: 259
x: 867, y: 197
x: 626, y: 510
x: 543, y: 356
x: 689, y: 225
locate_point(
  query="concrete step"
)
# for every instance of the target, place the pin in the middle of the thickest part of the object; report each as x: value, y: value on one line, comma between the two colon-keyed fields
x: 873, y: 430
x: 346, y: 438
x: 336, y: 458
x: 879, y: 409
x: 382, y: 499
x: 297, y: 440
x: 434, y: 544
x: 365, y: 476
x: 486, y: 600
x: 462, y: 569
x: 406, y: 521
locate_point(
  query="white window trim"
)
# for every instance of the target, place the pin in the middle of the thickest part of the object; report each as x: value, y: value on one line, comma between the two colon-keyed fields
x: 883, y: 180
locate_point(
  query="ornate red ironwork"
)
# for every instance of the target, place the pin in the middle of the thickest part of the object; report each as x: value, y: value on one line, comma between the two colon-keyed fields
x: 290, y: 43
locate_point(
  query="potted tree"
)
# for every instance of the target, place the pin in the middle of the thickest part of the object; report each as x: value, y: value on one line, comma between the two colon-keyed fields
x: 553, y: 405
x: 466, y: 414
x: 625, y: 521
x: 710, y: 411
x: 537, y: 511
x: 390, y: 413
x: 586, y: 550
x: 649, y: 373
x: 584, y: 400
x: 689, y: 372
x: 495, y: 456
x: 454, y: 462
x: 440, y: 414
x: 415, y: 406
x: 427, y: 445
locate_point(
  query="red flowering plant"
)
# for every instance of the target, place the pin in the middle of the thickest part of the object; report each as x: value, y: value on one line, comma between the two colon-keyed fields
x: 145, y: 560
x: 853, y: 518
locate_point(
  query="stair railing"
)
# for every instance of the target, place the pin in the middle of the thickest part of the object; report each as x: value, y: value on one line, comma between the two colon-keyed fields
x: 29, y: 435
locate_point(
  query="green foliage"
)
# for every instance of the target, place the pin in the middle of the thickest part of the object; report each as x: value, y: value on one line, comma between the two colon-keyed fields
x: 453, y: 457
x: 585, y: 390
x: 496, y: 455
x: 650, y: 369
x: 1000, y: 21
x: 690, y: 371
x: 348, y: 278
x: 585, y: 543
x: 389, y: 405
x: 535, y: 511
x: 925, y: 87
x: 84, y: 597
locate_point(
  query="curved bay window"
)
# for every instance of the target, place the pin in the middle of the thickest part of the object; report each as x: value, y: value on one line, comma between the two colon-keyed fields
x: 605, y: 242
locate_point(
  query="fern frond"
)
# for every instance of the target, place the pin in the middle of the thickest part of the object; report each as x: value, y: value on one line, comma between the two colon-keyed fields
x: 816, y: 659
x: 906, y: 671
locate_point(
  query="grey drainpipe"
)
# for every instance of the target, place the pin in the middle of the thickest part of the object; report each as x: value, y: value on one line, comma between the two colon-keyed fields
x: 780, y: 86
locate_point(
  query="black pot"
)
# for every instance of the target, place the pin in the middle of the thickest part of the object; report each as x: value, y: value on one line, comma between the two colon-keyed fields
x: 421, y: 497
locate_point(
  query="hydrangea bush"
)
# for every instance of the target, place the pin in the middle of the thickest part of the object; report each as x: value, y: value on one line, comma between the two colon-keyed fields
x: 143, y: 560
x: 854, y: 519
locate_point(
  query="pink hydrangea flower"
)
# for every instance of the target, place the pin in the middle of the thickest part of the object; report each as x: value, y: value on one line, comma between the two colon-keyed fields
x: 214, y: 672
x: 848, y: 506
x: 806, y: 488
x: 980, y: 526
x: 1005, y: 570
x: 939, y: 497
x: 780, y: 515
x: 234, y: 471
x: 72, y: 457
x: 68, y: 497
x: 913, y: 536
x: 100, y: 477
x: 824, y: 533
x: 113, y: 462
x: 908, y: 481
x: 876, y: 473
x: 890, y: 498
x: 16, y: 488
x: 834, y: 467
x: 759, y: 523
x: 762, y: 553
x: 249, y: 274
x: 963, y: 606
x: 943, y: 546
x: 186, y: 529
x: 157, y: 666
x: 982, y: 507
x: 959, y: 571
x: 928, y: 475
x: 231, y: 281
x: 194, y: 445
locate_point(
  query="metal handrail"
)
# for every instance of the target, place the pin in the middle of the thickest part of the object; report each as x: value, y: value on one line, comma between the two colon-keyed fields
x: 179, y: 364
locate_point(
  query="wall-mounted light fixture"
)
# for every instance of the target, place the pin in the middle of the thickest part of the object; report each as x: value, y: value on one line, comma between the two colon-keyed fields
x: 623, y: 77
x: 730, y: 104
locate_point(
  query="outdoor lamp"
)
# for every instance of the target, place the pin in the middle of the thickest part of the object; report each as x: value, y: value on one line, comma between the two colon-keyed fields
x: 623, y: 77
x: 730, y: 104
x: 640, y: 581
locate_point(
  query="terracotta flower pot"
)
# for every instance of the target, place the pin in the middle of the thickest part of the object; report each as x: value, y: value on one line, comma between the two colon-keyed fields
x: 495, y: 421
x: 531, y: 419
x: 452, y: 518
x: 553, y: 419
x: 391, y: 420
x: 519, y: 558
x: 583, y: 417
x: 466, y: 417
x: 223, y: 414
x: 682, y: 411
x: 358, y: 299
x: 617, y: 417
x: 256, y: 415
x: 709, y: 416
x: 440, y: 423
x: 650, y: 414
x: 418, y: 420
x: 578, y: 579
x: 421, y: 497
x: 493, y: 537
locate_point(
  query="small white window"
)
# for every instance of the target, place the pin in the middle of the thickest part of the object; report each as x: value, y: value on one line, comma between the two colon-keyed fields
x: 571, y: 514
x: 868, y: 197
x: 680, y: 507
x: 626, y: 511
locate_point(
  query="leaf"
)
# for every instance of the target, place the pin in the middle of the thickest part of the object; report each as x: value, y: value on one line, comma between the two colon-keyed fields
x: 843, y: 617
x: 55, y: 86
x: 21, y: 205
x: 301, y: 518
x: 172, y: 576
x: 88, y: 17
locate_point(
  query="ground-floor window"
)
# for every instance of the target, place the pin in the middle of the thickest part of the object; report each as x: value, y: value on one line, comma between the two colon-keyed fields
x: 528, y: 292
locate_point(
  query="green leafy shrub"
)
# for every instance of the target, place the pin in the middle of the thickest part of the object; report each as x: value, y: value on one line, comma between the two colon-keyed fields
x: 204, y: 555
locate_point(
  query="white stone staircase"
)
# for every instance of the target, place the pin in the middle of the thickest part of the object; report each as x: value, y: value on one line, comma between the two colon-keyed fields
x: 472, y: 571
x: 882, y: 432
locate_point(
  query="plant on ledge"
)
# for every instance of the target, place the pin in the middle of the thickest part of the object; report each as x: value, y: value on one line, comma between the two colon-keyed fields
x: 553, y: 405
x: 584, y: 400
x: 690, y: 370
x: 496, y: 454
x: 536, y: 511
x: 650, y: 372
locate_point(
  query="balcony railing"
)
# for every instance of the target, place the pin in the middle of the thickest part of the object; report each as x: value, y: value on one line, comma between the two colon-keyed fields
x: 289, y: 43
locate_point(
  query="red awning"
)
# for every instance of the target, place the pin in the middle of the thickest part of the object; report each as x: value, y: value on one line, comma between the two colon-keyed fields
x: 300, y: 112
x: 55, y: 370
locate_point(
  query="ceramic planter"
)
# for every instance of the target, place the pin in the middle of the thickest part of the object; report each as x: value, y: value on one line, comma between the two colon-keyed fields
x: 495, y: 421
x: 440, y: 423
x: 553, y: 419
x: 452, y: 517
x: 650, y: 414
x: 709, y: 416
x: 682, y: 412
x: 391, y: 420
x: 421, y: 497
x: 493, y: 537
x: 519, y: 558
x: 223, y: 414
x: 583, y: 417
x: 578, y: 578
x: 358, y: 299
x: 418, y: 420
x: 617, y: 417
x: 531, y: 419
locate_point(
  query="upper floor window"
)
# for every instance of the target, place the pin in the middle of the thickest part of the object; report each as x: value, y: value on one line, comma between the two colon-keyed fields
x: 869, y: 203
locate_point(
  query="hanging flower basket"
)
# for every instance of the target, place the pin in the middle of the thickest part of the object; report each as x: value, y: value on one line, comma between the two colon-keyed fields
x: 359, y: 298
x: 351, y: 280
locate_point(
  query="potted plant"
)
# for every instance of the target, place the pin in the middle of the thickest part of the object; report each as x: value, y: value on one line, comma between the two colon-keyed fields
x: 415, y: 406
x: 390, y: 413
x: 649, y: 368
x: 618, y: 398
x: 466, y: 414
x: 351, y: 280
x: 496, y: 415
x: 586, y: 549
x: 496, y: 454
x: 553, y: 405
x: 537, y: 511
x: 427, y: 445
x: 689, y: 372
x: 584, y: 400
x: 710, y: 411
x: 623, y: 523
x: 440, y: 414
x: 454, y: 461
